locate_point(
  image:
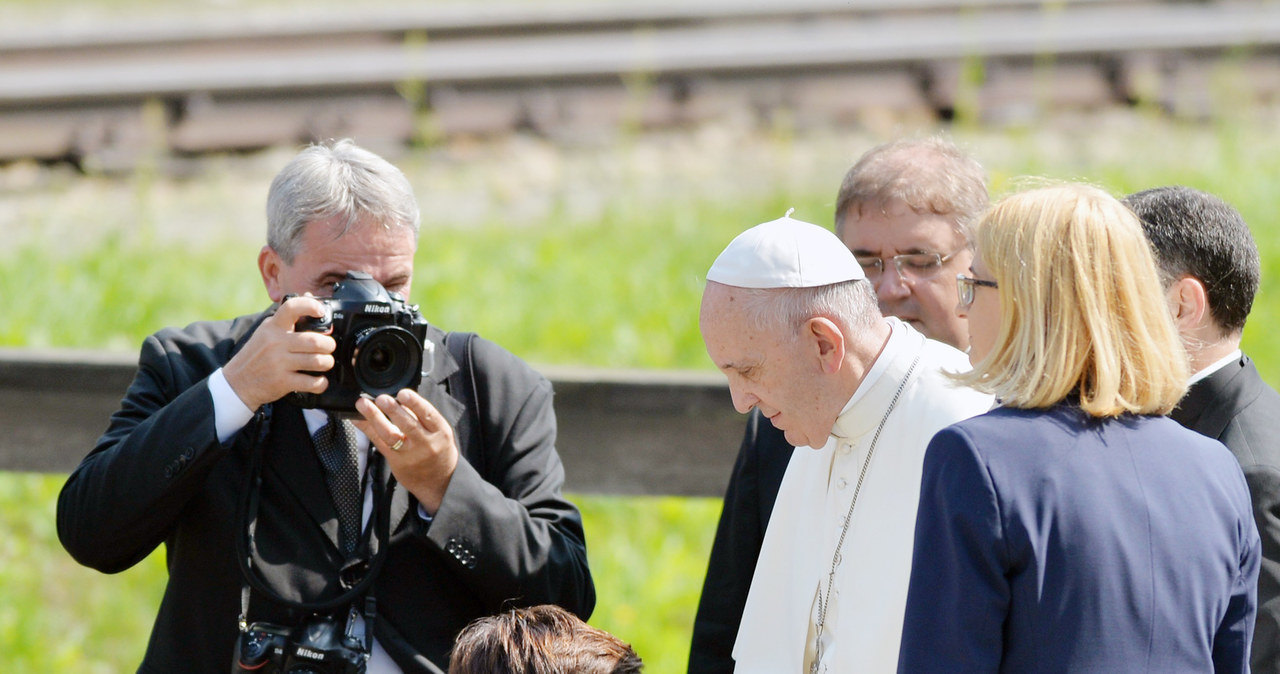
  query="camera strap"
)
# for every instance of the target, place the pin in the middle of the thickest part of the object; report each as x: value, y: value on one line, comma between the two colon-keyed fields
x: 246, y: 545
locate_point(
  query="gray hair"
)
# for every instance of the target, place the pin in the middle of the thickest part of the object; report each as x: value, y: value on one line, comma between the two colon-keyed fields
x: 930, y: 175
x: 337, y: 181
x: 851, y: 304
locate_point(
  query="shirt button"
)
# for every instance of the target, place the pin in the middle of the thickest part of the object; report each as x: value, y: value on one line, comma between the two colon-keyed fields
x: 842, y: 483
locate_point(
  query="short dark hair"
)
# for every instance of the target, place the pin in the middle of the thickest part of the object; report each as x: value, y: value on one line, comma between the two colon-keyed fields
x: 543, y: 639
x: 1196, y: 234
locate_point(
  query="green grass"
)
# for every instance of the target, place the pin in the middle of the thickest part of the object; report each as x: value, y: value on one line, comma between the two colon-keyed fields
x: 586, y: 256
x: 55, y: 616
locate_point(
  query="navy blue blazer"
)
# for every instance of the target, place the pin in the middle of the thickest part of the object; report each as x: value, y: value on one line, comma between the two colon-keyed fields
x: 1047, y: 541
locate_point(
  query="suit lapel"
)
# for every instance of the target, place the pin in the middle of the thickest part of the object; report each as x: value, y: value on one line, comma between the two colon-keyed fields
x: 291, y: 461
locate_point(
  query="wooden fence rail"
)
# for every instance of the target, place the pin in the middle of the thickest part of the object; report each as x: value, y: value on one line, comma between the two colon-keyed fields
x: 619, y: 432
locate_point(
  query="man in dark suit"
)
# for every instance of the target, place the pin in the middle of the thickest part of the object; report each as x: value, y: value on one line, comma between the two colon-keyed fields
x: 906, y: 210
x: 1210, y: 269
x: 474, y: 521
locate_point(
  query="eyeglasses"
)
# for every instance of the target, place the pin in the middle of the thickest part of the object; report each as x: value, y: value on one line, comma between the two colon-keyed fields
x: 911, y: 266
x: 965, y: 287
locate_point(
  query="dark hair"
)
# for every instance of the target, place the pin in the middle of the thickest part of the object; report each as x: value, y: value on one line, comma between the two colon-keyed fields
x: 542, y: 639
x: 1196, y: 234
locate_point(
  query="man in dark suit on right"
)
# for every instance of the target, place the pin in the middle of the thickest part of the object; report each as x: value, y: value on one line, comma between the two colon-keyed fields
x: 1210, y: 269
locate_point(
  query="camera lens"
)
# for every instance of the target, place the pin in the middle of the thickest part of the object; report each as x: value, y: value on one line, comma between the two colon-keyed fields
x: 387, y: 359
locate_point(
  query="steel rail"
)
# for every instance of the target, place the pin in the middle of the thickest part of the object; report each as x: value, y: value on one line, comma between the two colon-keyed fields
x: 492, y: 19
x: 714, y: 48
x: 252, y: 83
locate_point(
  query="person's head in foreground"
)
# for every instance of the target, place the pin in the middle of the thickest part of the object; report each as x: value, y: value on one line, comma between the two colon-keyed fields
x: 543, y: 639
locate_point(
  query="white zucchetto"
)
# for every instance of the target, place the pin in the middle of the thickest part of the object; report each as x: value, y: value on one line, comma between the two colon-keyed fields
x: 785, y: 253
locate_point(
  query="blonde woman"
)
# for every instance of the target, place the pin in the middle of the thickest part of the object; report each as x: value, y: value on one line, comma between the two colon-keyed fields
x: 1074, y: 528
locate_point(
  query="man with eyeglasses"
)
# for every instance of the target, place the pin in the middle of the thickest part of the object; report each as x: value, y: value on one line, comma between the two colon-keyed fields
x: 906, y: 210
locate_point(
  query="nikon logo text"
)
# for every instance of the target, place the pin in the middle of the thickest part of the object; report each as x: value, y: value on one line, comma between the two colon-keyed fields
x: 304, y: 652
x: 377, y: 309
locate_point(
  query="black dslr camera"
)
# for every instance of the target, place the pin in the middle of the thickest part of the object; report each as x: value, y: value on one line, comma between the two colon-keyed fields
x: 317, y: 646
x: 380, y: 342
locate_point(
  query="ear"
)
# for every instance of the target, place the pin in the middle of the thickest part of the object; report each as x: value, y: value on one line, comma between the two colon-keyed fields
x: 270, y: 265
x: 828, y: 341
x: 1189, y: 303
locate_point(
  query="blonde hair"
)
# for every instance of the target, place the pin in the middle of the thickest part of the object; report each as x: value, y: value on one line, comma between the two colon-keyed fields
x: 1081, y: 307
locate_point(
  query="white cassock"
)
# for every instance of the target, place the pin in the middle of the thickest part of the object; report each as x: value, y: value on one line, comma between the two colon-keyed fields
x: 863, y: 624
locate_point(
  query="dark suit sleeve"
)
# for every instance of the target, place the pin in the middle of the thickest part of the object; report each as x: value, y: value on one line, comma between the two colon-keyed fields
x: 508, y: 532
x: 1264, y: 487
x: 753, y: 488
x: 958, y: 597
x: 1235, y: 406
x: 124, y: 498
x: 1231, y: 643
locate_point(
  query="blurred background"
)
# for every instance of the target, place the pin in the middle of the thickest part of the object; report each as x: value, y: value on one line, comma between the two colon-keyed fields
x: 578, y: 166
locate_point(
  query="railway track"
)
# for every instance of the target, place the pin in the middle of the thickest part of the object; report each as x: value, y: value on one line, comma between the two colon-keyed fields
x: 109, y: 95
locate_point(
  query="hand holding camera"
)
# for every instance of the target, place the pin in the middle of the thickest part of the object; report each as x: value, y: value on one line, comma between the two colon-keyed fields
x: 325, y: 352
x: 379, y: 342
x: 378, y: 357
x: 277, y: 359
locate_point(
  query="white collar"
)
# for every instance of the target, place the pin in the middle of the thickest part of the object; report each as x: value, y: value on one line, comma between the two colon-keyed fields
x: 1215, y: 366
x: 882, y: 379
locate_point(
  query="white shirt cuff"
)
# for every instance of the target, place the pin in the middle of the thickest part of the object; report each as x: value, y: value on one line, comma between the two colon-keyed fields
x: 230, y: 414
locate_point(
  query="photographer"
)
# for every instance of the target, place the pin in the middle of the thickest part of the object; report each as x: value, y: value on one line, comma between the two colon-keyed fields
x: 474, y: 520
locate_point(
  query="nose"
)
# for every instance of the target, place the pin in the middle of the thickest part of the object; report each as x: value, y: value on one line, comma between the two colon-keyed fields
x: 743, y: 401
x: 891, y: 285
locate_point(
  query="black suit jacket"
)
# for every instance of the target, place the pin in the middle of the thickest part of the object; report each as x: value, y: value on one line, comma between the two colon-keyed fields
x: 748, y: 502
x: 1234, y: 406
x: 503, y: 534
